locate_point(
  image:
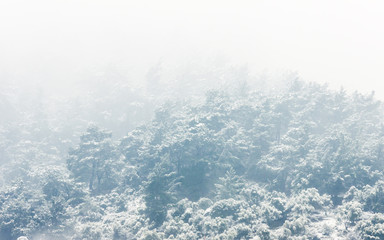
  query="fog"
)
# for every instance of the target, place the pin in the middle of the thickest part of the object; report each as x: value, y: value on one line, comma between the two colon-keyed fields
x: 191, y: 119
x: 58, y: 44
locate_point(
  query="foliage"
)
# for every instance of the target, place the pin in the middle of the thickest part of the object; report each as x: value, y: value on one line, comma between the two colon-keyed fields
x: 95, y: 161
x: 303, y: 163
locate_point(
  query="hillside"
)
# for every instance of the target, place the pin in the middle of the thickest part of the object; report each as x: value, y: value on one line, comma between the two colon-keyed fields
x: 302, y: 163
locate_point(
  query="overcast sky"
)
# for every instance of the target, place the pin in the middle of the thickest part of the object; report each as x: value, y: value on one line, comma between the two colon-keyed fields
x: 58, y: 42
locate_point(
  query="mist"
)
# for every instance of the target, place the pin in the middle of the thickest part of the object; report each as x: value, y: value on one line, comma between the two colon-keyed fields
x: 58, y: 44
x: 191, y: 120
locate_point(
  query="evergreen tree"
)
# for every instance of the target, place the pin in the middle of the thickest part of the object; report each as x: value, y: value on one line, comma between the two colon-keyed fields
x: 95, y: 161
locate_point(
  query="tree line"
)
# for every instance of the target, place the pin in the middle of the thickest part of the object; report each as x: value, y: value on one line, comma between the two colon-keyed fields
x: 304, y: 163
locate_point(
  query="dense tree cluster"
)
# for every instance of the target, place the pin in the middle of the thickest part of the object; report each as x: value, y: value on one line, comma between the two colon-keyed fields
x: 303, y: 163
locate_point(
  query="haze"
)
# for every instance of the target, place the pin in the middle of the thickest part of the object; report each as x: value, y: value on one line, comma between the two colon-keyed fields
x: 174, y: 119
x: 59, y: 43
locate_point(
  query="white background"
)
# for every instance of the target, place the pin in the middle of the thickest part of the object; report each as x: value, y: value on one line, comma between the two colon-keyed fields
x: 57, y: 42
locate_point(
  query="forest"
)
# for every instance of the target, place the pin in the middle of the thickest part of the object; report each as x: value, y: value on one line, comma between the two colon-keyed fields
x: 301, y: 161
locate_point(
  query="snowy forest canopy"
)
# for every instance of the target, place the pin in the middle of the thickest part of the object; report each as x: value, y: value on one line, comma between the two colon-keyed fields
x: 241, y: 162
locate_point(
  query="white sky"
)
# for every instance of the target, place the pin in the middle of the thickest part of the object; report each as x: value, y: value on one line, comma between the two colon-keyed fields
x: 60, y: 41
